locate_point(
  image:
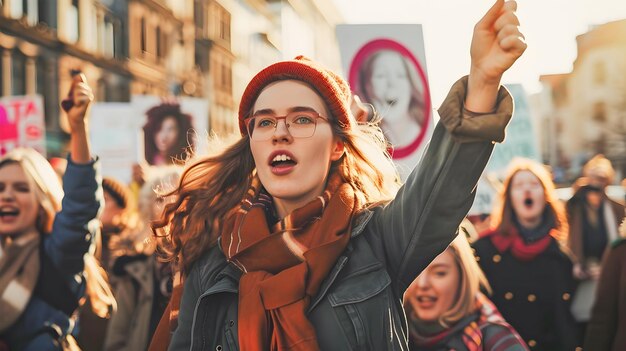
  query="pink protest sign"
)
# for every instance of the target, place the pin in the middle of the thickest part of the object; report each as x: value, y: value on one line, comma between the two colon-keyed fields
x: 22, y: 123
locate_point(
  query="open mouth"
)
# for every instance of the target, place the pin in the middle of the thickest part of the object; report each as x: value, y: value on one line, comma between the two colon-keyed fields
x: 9, y: 213
x: 528, y: 202
x: 425, y: 299
x: 282, y: 161
x: 391, y: 102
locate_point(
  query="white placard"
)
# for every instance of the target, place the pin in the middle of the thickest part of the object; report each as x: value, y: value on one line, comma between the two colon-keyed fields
x: 115, y: 139
x: 386, y: 66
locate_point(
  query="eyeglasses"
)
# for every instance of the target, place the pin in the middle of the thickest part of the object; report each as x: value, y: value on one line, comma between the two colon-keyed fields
x: 301, y: 124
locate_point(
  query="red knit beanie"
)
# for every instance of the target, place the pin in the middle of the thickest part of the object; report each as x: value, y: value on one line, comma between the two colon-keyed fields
x: 331, y: 87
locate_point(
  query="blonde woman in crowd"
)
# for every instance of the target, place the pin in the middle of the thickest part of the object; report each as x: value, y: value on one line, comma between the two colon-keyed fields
x: 46, y: 233
x: 447, y: 310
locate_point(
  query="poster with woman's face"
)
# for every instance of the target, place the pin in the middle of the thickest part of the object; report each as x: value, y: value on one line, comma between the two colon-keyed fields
x: 385, y: 66
x: 171, y: 128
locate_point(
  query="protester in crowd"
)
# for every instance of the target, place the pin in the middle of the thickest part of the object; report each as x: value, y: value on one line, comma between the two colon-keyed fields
x: 593, y: 221
x: 283, y: 239
x: 118, y: 217
x: 165, y: 134
x: 45, y: 261
x: 606, y: 330
x: 525, y: 262
x: 143, y: 284
x: 447, y: 311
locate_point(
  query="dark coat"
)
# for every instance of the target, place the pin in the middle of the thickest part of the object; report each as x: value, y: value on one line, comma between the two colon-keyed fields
x: 533, y: 296
x: 606, y: 330
x: 575, y: 208
x: 359, y: 304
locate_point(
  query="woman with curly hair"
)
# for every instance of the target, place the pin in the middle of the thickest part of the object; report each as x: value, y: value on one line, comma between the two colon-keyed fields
x: 165, y: 134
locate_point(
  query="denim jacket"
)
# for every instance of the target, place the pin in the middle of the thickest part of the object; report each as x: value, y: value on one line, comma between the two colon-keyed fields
x: 359, y: 304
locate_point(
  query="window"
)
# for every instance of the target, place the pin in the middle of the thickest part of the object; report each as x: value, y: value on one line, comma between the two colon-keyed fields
x: 72, y: 22
x: 224, y: 29
x: 142, y: 34
x: 45, y: 13
x: 159, y: 44
x: 31, y: 11
x: 220, y: 23
x: 599, y: 73
x: 599, y: 112
x: 229, y: 78
x: 198, y: 14
x: 18, y: 73
x: 106, y: 37
x: 40, y: 76
x: 16, y: 9
x: 109, y: 43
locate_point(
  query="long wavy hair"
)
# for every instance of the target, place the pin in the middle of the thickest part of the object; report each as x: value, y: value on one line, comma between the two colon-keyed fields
x: 49, y: 194
x: 156, y: 115
x: 503, y: 215
x: 212, y: 187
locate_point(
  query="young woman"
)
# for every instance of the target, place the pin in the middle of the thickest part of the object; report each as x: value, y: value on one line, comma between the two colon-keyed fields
x: 294, y: 237
x: 593, y: 220
x: 447, y: 311
x: 530, y: 273
x: 165, y: 134
x: 43, y: 261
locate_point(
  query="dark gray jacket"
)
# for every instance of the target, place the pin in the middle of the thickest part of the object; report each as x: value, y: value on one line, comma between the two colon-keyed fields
x: 359, y: 305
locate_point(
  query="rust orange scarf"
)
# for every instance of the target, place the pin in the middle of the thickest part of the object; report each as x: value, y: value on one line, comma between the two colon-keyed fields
x: 284, y: 264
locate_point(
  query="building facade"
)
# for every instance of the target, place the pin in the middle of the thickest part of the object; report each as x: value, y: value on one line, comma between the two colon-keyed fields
x: 586, y: 108
x: 201, y: 48
x: 41, y: 42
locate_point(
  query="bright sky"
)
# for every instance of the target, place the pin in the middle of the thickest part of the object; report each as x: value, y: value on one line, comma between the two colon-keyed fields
x: 550, y: 28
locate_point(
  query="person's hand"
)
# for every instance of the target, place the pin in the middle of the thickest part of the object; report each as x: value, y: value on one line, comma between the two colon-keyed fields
x: 139, y: 174
x: 75, y: 105
x: 497, y: 42
x: 77, y: 102
x: 579, y: 272
x: 594, y: 270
